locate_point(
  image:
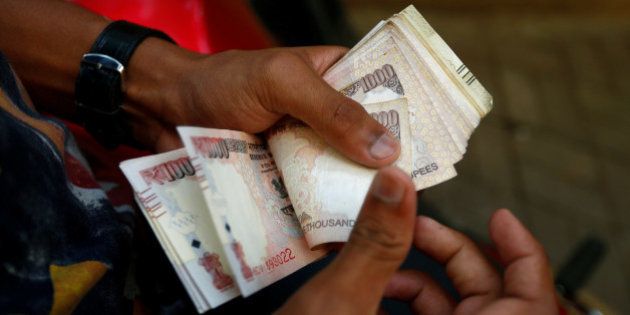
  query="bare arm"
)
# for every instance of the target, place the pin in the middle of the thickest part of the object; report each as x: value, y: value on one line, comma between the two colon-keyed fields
x: 166, y: 85
x: 44, y: 40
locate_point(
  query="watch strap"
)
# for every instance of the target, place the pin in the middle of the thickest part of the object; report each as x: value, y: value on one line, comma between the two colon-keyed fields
x: 98, y: 95
x: 121, y: 38
x: 99, y: 86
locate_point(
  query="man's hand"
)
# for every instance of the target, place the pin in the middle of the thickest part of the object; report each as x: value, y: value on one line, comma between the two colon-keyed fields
x: 365, y: 270
x: 250, y: 91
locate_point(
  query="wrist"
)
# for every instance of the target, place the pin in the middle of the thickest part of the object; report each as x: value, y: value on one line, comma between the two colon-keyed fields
x: 100, y: 86
x: 152, y: 75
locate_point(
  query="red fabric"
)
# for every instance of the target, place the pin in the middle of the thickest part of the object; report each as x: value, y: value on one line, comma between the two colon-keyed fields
x: 77, y: 173
x: 202, y: 26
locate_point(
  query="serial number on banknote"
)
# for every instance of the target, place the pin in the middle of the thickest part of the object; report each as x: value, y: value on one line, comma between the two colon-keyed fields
x: 282, y: 257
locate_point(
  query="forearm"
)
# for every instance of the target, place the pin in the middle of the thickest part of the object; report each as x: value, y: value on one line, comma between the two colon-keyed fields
x: 44, y: 40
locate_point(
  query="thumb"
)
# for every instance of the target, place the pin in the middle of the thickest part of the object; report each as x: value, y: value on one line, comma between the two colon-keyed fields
x: 355, y: 281
x: 383, y: 233
x: 380, y: 240
x: 340, y: 121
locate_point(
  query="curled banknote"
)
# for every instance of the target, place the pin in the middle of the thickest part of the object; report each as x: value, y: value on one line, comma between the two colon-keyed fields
x: 166, y: 188
x: 249, y: 204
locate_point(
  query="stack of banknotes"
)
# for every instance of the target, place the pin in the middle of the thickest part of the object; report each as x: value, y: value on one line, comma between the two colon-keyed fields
x: 236, y: 212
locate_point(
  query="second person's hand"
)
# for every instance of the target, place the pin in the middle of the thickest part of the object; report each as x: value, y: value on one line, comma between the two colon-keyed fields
x: 364, y: 272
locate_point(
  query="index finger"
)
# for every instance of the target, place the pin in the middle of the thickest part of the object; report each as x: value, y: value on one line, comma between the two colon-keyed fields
x: 323, y: 57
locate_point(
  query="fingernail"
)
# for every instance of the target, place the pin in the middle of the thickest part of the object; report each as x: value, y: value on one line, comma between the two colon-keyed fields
x: 388, y: 188
x: 383, y: 147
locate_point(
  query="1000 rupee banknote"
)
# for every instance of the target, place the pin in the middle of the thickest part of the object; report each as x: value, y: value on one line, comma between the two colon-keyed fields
x: 166, y: 188
x: 250, y: 207
x: 184, y: 276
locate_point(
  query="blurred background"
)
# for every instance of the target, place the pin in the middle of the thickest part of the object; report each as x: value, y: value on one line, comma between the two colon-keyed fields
x: 556, y: 147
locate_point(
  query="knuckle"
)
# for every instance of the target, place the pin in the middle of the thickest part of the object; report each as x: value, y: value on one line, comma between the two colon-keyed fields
x: 461, y: 239
x: 459, y: 246
x: 279, y: 59
x: 275, y: 76
x: 345, y: 118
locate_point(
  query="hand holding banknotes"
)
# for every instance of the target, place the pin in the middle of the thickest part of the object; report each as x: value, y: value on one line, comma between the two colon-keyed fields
x: 251, y: 90
x: 365, y: 271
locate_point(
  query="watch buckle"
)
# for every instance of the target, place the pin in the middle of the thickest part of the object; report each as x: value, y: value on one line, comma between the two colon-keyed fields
x: 101, y: 61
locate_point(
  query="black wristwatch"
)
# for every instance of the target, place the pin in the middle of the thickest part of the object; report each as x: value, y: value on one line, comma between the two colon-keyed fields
x: 99, y: 87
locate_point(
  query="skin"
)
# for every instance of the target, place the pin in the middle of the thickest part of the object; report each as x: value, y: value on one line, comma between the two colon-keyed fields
x: 167, y: 86
x: 366, y: 269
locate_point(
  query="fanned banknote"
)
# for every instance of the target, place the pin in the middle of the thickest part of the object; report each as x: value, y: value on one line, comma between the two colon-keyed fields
x: 249, y: 204
x: 167, y: 191
x: 259, y: 205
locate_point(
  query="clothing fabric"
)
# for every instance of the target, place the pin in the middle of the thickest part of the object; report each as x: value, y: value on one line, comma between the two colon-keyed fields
x: 63, y: 245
